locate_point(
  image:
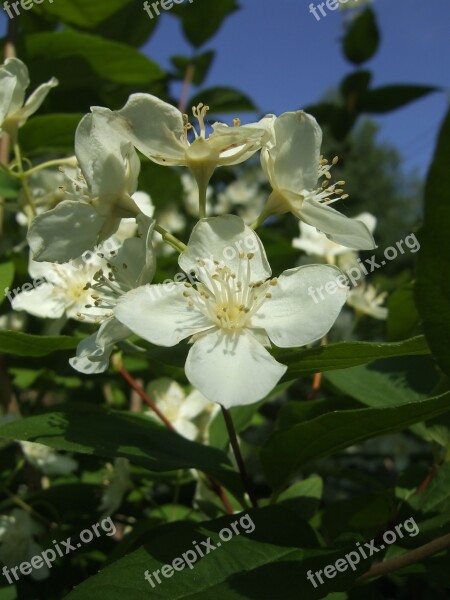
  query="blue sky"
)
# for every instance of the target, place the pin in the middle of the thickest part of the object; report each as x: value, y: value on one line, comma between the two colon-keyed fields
x: 280, y: 55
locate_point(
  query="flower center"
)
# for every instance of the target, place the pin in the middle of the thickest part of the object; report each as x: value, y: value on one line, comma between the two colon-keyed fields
x: 228, y: 299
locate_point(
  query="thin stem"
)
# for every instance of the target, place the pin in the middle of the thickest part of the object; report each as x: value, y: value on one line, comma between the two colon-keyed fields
x: 25, y: 186
x: 170, y: 239
x: 25, y: 506
x: 399, y: 562
x: 145, y: 397
x: 49, y: 164
x: 237, y: 454
x: 188, y: 77
x: 216, y: 487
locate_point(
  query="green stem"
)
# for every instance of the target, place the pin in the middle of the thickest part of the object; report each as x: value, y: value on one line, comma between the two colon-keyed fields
x: 238, y: 456
x: 47, y: 165
x: 170, y: 239
x: 24, y: 506
x: 202, y: 194
x: 23, y: 177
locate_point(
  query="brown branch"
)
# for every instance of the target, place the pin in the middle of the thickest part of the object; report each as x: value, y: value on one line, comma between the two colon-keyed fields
x: 399, y: 562
x: 216, y: 487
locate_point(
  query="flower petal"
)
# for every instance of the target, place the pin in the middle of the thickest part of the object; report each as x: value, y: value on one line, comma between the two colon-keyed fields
x: 41, y: 302
x: 223, y: 239
x: 232, y: 369
x: 301, y: 309
x: 160, y: 314
x: 14, y: 80
x: 36, y: 99
x: 94, y: 352
x: 153, y: 126
x: 65, y: 232
x: 337, y: 227
x: 291, y: 161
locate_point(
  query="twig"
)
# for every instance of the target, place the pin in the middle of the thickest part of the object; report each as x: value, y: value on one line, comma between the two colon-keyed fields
x: 239, y: 460
x: 189, y: 76
x: 216, y: 487
x: 399, y: 562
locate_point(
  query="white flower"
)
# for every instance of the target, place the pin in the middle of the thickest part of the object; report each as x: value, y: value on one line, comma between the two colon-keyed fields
x: 293, y: 165
x: 47, y: 459
x: 232, y: 311
x: 315, y: 243
x: 244, y: 196
x: 161, y: 132
x: 117, y: 485
x: 365, y: 301
x: 14, y: 111
x: 101, y: 195
x: 59, y: 290
x: 17, y: 541
x: 133, y: 265
x: 179, y: 409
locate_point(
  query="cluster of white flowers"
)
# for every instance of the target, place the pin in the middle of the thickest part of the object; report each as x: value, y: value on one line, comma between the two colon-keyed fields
x: 232, y: 310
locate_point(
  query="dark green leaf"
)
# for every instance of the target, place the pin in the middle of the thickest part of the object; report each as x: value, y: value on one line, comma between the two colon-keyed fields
x: 362, y: 38
x: 200, y: 64
x: 433, y: 285
x: 49, y: 133
x: 256, y: 565
x: 24, y: 344
x: 78, y: 58
x: 83, y: 13
x: 391, y: 97
x: 224, y: 100
x: 6, y: 279
x: 91, y: 430
x: 9, y: 187
x: 403, y: 317
x: 346, y: 354
x: 289, y: 449
x: 201, y: 19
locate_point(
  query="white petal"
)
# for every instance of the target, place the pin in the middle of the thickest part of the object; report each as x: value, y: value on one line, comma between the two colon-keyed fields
x: 153, y: 126
x: 301, y: 309
x: 160, y: 314
x: 14, y: 80
x: 193, y: 405
x: 36, y: 99
x: 233, y: 370
x: 186, y: 428
x: 94, y: 352
x: 138, y: 254
x: 42, y: 301
x: 109, y: 162
x: 144, y: 203
x: 292, y: 163
x: 65, y: 232
x: 222, y: 239
x: 337, y: 227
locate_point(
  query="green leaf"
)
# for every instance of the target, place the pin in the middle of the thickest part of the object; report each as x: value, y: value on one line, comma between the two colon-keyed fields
x: 433, y: 286
x: 288, y: 450
x: 162, y: 183
x: 257, y: 564
x: 6, y: 279
x: 24, y: 344
x: 78, y: 58
x: 91, y: 430
x: 49, y: 133
x: 389, y: 382
x: 224, y: 100
x: 308, y: 494
x: 201, y: 19
x: 362, y: 38
x: 391, y: 97
x: 128, y: 25
x: 345, y: 354
x: 201, y: 65
x: 83, y: 13
x: 9, y: 187
x: 403, y: 317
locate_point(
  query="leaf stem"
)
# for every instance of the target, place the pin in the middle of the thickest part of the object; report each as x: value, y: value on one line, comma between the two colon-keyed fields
x: 51, y: 163
x: 239, y: 460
